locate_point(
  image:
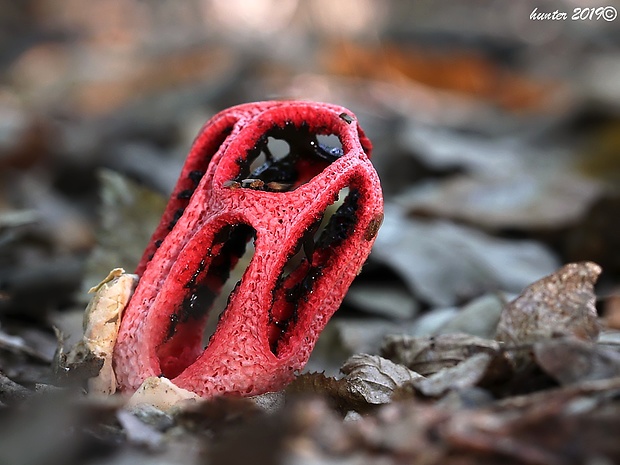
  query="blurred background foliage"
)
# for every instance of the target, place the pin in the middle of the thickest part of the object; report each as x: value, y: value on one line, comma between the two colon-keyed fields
x: 497, y: 139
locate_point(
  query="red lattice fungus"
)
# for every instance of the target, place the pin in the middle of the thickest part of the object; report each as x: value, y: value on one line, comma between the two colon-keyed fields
x: 267, y: 172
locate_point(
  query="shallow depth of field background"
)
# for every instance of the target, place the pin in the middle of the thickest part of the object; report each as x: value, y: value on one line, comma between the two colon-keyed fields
x: 497, y: 139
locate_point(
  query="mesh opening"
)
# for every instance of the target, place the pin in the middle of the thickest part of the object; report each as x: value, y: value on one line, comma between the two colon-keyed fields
x: 206, y: 297
x: 305, y: 267
x: 286, y: 158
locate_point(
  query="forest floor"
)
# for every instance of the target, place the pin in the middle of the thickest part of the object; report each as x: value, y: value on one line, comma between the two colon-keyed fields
x: 482, y: 329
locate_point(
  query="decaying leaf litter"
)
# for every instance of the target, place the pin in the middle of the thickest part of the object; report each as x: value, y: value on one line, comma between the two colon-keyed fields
x: 441, y: 363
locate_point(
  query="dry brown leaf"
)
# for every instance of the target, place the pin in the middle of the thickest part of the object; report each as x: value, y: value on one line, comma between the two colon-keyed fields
x: 374, y: 378
x: 561, y: 304
x: 428, y: 355
x: 338, y: 391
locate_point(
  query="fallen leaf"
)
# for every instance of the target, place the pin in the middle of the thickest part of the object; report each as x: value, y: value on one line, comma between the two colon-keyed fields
x: 561, y: 304
x: 375, y: 378
x: 466, y: 374
x: 357, y: 335
x: 478, y: 318
x: 445, y: 263
x: 442, y: 149
x: 501, y: 182
x: 384, y: 299
x: 402, y: 429
x: 570, y: 360
x: 317, y: 384
x: 525, y: 200
x: 527, y: 428
x: 430, y: 322
x: 428, y: 355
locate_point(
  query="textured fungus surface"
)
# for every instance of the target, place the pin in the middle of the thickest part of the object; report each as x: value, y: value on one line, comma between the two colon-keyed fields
x: 233, y: 189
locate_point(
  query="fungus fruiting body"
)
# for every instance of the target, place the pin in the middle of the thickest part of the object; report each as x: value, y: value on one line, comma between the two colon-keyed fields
x: 233, y: 189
